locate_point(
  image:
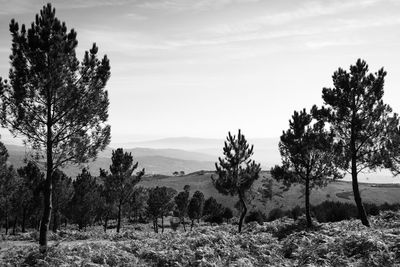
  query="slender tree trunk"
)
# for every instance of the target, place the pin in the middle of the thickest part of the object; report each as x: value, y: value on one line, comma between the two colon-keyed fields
x: 183, y: 223
x: 357, y: 197
x: 48, y: 185
x: 55, y: 221
x: 15, y: 225
x: 119, y: 217
x: 105, y: 224
x: 162, y: 223
x: 23, y: 220
x: 308, y: 214
x: 155, y: 223
x: 244, y: 211
x: 65, y: 221
x: 6, y: 218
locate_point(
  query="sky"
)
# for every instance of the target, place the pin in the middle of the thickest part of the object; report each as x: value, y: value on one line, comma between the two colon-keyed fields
x: 202, y: 68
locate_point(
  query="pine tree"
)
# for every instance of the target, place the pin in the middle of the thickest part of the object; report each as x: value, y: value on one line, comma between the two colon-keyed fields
x: 236, y: 172
x: 361, y: 122
x: 63, y: 193
x: 196, y: 206
x: 181, y: 204
x: 85, y: 199
x: 56, y: 102
x: 32, y: 183
x: 159, y: 204
x: 306, y: 156
x: 121, y: 181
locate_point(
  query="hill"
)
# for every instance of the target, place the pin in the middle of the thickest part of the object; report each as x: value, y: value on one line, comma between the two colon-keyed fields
x: 335, y: 191
x: 155, y: 161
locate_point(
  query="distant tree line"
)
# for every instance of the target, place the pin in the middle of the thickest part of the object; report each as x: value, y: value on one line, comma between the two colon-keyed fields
x: 88, y: 200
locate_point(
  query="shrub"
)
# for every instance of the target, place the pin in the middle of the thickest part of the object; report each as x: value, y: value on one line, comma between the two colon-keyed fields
x: 296, y: 212
x: 275, y: 213
x: 256, y: 216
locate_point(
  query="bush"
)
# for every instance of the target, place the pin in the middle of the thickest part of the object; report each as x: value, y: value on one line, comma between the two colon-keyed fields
x: 275, y: 213
x: 256, y: 216
x: 174, y: 223
x: 296, y: 212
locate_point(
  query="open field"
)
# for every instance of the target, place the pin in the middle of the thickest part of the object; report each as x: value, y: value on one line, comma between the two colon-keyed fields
x: 279, y: 243
x: 335, y: 191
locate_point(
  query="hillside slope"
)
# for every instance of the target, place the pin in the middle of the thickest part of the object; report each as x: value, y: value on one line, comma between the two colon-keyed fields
x: 335, y: 191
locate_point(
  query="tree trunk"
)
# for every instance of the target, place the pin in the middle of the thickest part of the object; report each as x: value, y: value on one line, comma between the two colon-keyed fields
x: 55, y: 221
x: 48, y: 185
x: 356, y: 191
x: 6, y: 218
x: 23, y: 220
x: 162, y: 223
x: 105, y: 224
x: 15, y: 225
x: 183, y: 223
x: 244, y: 211
x: 119, y: 217
x: 308, y: 214
x: 155, y: 225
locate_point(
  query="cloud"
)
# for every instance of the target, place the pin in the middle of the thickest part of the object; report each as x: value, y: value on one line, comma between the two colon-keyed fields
x: 186, y: 5
x: 309, y: 9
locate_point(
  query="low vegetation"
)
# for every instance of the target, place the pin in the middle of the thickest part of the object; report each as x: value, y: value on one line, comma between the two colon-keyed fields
x: 283, y: 242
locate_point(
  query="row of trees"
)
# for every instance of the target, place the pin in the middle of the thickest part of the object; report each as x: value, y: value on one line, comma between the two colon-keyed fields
x: 89, y: 200
x: 354, y: 131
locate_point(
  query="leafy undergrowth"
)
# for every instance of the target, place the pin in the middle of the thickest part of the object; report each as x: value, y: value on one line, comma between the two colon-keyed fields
x: 279, y: 243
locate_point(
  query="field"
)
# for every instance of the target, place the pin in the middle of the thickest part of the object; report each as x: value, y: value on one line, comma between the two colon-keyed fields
x: 335, y: 191
x: 282, y: 242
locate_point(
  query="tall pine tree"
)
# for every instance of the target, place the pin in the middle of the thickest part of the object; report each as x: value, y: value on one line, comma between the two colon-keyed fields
x: 58, y: 104
x: 361, y: 122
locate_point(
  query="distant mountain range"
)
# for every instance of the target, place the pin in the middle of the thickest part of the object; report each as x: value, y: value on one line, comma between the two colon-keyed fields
x: 165, y: 156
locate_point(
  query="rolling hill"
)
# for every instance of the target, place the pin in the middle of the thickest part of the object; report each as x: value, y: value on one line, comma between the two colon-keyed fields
x: 335, y: 191
x: 155, y: 161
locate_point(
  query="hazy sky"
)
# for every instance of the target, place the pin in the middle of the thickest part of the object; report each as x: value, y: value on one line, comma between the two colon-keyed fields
x: 204, y: 67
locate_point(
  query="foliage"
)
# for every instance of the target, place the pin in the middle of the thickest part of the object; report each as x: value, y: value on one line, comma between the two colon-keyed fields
x: 305, y: 150
x: 213, y: 211
x: 63, y: 193
x: 85, y: 199
x: 346, y: 243
x: 196, y: 206
x: 361, y: 122
x: 159, y: 203
x: 227, y: 214
x: 181, y: 205
x: 256, y: 216
x: 120, y: 183
x: 236, y: 172
x: 58, y: 104
x: 137, y: 203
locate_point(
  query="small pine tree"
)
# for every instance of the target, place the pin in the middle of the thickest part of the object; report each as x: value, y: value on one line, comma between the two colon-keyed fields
x: 195, y: 208
x: 181, y: 204
x: 159, y: 204
x: 306, y: 156
x: 85, y: 199
x: 236, y: 172
x: 121, y: 182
